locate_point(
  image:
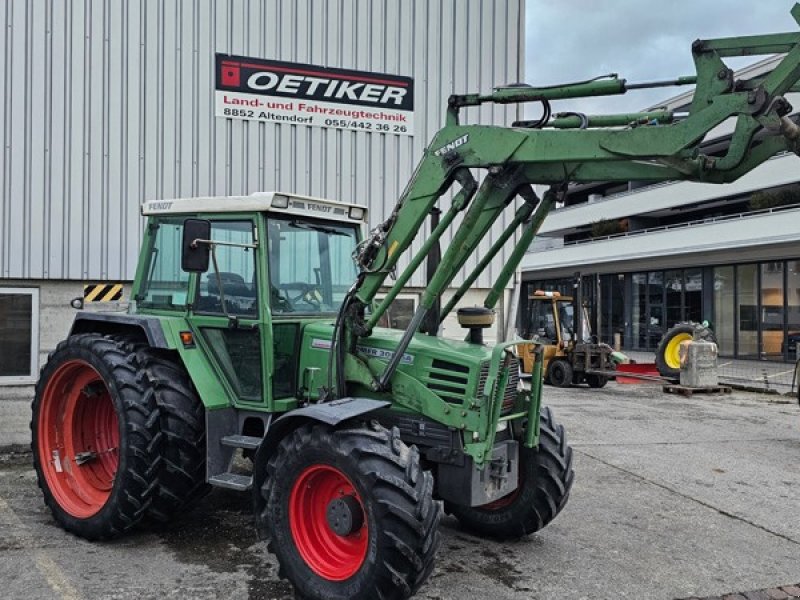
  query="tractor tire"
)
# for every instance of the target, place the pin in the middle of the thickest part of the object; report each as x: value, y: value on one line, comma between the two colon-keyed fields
x: 596, y: 381
x: 95, y: 437
x: 668, y: 360
x: 545, y: 481
x: 560, y: 373
x: 349, y: 513
x: 182, y: 474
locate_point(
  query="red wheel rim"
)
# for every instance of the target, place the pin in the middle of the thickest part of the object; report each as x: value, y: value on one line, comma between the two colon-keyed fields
x: 330, y: 555
x: 77, y: 418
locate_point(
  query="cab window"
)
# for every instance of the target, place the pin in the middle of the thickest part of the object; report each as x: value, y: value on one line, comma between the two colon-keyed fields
x: 310, y: 264
x: 164, y: 285
x: 232, y: 281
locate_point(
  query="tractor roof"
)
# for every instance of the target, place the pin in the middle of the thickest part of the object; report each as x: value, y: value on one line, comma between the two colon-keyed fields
x: 260, y: 201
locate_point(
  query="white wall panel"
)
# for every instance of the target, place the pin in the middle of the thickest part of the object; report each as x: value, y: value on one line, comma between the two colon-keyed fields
x: 108, y: 104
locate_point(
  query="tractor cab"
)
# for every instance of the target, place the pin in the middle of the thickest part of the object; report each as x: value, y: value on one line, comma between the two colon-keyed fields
x: 248, y: 273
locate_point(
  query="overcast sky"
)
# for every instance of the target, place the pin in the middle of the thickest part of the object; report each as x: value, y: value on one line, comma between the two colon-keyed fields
x: 572, y: 40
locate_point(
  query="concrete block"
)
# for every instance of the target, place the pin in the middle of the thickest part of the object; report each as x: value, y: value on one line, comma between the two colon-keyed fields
x: 699, y: 364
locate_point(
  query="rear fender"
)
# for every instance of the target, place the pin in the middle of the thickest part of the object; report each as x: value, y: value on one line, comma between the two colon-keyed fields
x: 147, y: 329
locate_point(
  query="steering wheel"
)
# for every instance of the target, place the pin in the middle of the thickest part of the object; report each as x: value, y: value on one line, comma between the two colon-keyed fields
x: 309, y: 293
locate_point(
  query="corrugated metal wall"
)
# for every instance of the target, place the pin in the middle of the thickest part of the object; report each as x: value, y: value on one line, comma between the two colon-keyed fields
x: 107, y: 104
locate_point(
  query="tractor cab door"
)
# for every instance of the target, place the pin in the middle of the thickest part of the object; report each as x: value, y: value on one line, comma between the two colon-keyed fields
x: 310, y: 270
x: 226, y: 311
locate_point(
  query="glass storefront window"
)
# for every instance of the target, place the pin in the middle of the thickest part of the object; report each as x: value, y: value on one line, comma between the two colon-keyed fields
x: 792, y: 341
x: 655, y: 292
x: 639, y: 309
x: 724, y: 309
x: 747, y: 309
x: 612, y: 289
x: 771, y: 314
x: 673, y: 286
x: 693, y: 295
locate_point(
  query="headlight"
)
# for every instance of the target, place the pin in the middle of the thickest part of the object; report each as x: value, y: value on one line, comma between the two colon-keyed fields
x: 279, y: 201
x: 356, y: 213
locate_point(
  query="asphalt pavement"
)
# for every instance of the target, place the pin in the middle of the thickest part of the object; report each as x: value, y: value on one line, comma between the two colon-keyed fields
x: 674, y: 498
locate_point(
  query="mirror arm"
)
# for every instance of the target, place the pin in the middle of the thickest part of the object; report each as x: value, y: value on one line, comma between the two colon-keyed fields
x: 213, y: 243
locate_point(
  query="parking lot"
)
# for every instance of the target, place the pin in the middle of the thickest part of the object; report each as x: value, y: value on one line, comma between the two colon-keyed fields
x: 673, y: 498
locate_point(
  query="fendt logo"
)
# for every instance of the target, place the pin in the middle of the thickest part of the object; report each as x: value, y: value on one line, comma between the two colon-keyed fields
x: 452, y: 145
x: 291, y: 80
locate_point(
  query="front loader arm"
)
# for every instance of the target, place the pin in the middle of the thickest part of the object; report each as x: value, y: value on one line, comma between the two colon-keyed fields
x: 654, y: 146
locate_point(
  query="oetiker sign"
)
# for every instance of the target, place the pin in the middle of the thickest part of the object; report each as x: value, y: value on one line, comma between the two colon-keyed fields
x: 300, y: 94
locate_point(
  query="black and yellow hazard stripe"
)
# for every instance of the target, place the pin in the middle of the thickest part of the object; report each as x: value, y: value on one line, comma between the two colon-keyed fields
x: 102, y: 292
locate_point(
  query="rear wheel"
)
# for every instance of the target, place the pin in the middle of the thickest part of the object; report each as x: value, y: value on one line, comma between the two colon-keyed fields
x: 545, y: 481
x: 349, y: 513
x: 560, y: 373
x: 182, y: 473
x: 95, y: 437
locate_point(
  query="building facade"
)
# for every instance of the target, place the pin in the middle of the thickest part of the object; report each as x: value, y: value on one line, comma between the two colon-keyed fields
x: 110, y: 104
x: 651, y: 256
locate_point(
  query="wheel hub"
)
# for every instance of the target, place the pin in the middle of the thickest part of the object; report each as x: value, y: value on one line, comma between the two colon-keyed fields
x: 345, y: 515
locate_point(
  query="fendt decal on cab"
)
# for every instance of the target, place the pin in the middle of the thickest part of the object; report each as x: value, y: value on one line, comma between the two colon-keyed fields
x: 277, y: 91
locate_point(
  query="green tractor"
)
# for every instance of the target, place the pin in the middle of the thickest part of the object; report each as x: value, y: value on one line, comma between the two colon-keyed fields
x: 253, y: 330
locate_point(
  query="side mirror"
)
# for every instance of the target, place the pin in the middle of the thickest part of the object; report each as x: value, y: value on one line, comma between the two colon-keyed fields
x: 195, y: 254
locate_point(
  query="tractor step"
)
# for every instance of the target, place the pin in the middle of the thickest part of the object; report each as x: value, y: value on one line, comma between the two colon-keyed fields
x: 248, y: 442
x: 232, y: 481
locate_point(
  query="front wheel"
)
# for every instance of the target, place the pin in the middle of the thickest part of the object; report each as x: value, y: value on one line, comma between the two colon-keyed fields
x: 350, y: 513
x: 545, y: 480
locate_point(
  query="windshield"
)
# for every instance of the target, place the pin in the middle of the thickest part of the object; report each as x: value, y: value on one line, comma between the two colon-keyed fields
x: 310, y: 264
